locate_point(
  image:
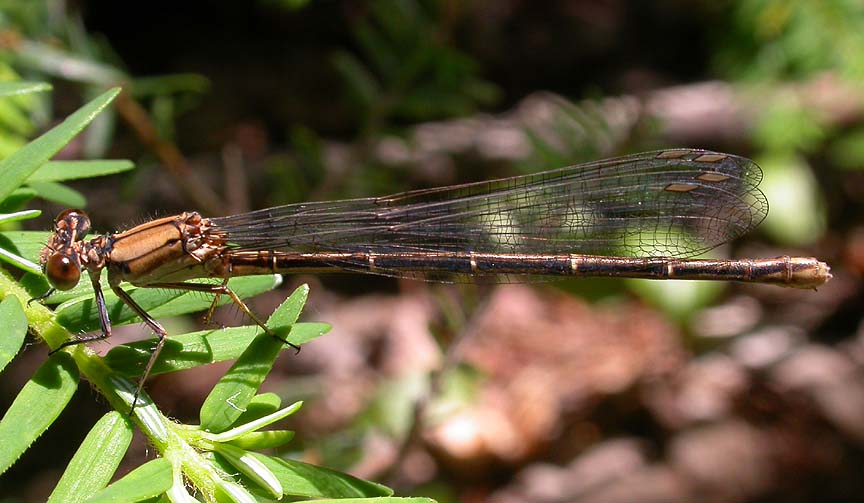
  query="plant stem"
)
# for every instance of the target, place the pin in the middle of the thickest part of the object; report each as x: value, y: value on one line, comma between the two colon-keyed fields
x: 158, y: 428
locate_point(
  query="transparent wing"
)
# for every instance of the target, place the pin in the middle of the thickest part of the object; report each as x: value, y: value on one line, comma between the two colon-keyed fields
x: 672, y: 203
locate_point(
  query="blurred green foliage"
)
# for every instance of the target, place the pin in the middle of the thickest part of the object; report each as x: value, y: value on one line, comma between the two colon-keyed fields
x: 798, y: 214
x: 776, y: 40
x: 575, y: 132
x: 15, y: 114
x: 46, y: 40
x: 410, y: 70
x: 779, y: 49
x: 847, y: 151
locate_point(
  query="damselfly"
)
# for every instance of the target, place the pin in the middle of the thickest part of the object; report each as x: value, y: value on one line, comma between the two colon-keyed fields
x: 640, y: 216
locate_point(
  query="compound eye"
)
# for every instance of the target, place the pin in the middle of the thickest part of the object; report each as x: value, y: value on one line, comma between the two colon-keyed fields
x: 63, y: 273
x: 75, y: 220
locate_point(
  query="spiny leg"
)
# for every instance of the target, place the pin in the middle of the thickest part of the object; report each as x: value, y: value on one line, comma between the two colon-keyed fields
x: 104, y: 321
x: 155, y: 327
x: 214, y: 304
x: 40, y: 298
x: 105, y: 324
x: 223, y: 289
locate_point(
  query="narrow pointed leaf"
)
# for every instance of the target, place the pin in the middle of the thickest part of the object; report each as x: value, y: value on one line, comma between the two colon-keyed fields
x: 18, y: 261
x: 13, y: 329
x: 22, y: 87
x: 194, y: 349
x: 28, y: 244
x: 259, y: 440
x: 147, y: 481
x: 59, y: 171
x: 21, y: 249
x: 230, y: 492
x: 95, y: 461
x: 252, y: 468
x: 15, y: 122
x: 37, y: 405
x: 54, y: 61
x: 182, y: 352
x: 59, y: 193
x: 145, y: 410
x: 233, y: 392
x: 19, y: 197
x: 16, y: 168
x: 257, y: 424
x: 178, y: 494
x: 6, y: 218
x: 285, y: 316
x: 261, y: 405
x: 302, y: 479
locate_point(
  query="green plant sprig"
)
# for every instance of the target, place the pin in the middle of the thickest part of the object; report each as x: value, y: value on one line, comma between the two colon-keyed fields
x: 215, y: 460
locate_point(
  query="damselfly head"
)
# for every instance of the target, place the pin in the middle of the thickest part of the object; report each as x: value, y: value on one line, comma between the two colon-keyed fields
x: 60, y: 258
x: 74, y: 224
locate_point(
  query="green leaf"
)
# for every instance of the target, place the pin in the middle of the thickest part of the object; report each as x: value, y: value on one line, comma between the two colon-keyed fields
x: 145, y: 410
x: 235, y: 390
x: 6, y: 218
x: 182, y: 352
x: 301, y: 479
x: 36, y: 284
x: 21, y: 249
x: 18, y: 198
x: 251, y: 467
x: 285, y: 316
x: 22, y: 87
x: 100, y: 136
x: 259, y: 440
x: 14, y: 323
x: 262, y: 404
x: 228, y: 492
x: 195, y: 349
x: 96, y: 459
x: 80, y: 315
x: 59, y: 171
x: 28, y: 244
x: 9, y: 143
x: 58, y: 193
x: 257, y: 424
x: 19, y: 262
x: 15, y: 121
x: 70, y: 67
x: 147, y: 481
x: 38, y: 404
x: 16, y: 168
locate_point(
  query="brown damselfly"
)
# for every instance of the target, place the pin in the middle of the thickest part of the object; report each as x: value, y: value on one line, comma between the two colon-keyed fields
x: 640, y: 216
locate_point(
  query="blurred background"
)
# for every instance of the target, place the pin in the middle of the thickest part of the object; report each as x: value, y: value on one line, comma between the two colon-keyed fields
x: 579, y: 390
